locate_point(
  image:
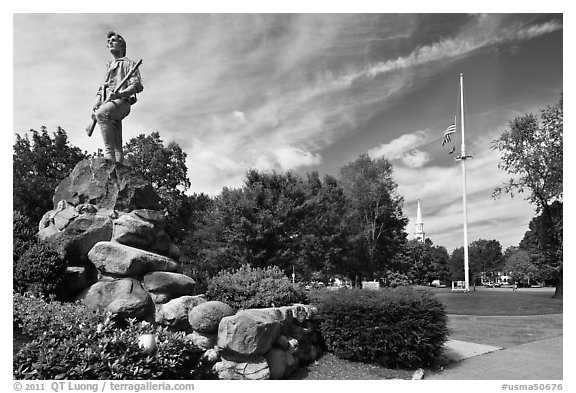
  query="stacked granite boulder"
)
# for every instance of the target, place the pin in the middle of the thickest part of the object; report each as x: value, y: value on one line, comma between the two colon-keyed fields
x: 107, y: 224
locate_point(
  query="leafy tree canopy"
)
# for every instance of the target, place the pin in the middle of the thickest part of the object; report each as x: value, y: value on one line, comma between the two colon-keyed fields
x: 163, y: 166
x: 40, y: 163
x: 520, y: 266
x: 484, y: 256
x: 531, y: 151
x: 278, y: 219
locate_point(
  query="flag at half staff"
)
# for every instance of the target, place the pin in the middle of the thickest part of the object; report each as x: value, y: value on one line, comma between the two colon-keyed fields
x: 448, y: 133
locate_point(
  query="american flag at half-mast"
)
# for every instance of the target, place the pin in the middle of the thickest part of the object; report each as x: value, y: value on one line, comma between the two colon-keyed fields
x: 448, y: 133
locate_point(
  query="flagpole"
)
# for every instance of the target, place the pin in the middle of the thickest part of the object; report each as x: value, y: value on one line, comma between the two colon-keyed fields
x: 463, y: 157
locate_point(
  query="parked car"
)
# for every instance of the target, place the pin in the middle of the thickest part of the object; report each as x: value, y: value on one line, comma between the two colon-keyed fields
x: 437, y: 284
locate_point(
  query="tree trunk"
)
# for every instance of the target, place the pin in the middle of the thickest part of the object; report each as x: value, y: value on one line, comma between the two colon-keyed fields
x: 558, y: 294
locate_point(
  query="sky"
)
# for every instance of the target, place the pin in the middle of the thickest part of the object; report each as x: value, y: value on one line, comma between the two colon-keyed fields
x: 310, y: 92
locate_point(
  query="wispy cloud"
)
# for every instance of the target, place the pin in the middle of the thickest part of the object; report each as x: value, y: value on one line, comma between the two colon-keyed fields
x: 400, y: 146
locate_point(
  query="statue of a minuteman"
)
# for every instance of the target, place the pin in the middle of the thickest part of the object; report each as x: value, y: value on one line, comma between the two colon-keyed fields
x: 113, y: 103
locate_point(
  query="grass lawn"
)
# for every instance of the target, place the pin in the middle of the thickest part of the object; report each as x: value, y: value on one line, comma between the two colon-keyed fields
x: 494, y: 316
x: 500, y: 301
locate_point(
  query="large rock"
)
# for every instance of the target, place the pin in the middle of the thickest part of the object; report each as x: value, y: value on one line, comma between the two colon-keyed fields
x: 120, y: 260
x: 100, y: 182
x: 175, y: 312
x: 124, y: 298
x: 168, y: 285
x: 248, y: 333
x: 283, y: 315
x: 155, y: 217
x: 206, y: 317
x: 131, y: 230
x: 75, y: 230
x: 249, y: 369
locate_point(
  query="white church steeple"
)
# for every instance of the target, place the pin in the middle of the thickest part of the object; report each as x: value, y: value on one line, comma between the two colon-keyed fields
x: 419, y: 233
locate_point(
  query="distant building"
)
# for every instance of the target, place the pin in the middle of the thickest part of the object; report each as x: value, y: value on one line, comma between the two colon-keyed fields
x: 419, y: 233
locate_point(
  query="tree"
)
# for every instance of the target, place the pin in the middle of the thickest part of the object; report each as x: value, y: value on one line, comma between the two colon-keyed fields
x: 40, y: 163
x: 281, y: 220
x: 439, y: 267
x: 544, y: 243
x: 375, y: 214
x: 325, y: 243
x: 485, y: 259
x: 520, y: 265
x: 532, y: 152
x: 422, y: 262
x: 487, y: 255
x: 165, y: 168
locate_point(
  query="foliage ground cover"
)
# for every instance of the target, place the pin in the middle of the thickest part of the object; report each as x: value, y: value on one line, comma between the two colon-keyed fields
x: 71, y: 342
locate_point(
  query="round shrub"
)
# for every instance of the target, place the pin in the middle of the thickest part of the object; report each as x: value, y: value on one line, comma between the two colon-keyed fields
x: 392, y: 327
x: 40, y: 270
x: 250, y: 287
x: 23, y: 235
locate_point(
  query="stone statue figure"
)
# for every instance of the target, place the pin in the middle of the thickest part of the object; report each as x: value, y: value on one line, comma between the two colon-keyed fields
x: 115, y: 96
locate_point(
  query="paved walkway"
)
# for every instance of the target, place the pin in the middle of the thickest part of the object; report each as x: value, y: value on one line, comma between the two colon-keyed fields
x: 536, y: 360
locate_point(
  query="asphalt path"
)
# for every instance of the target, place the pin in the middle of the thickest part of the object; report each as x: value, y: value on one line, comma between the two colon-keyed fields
x: 503, y: 348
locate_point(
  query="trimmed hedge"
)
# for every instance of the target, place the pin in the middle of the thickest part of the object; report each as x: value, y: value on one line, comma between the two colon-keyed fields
x: 73, y: 342
x: 393, y: 327
x: 250, y: 287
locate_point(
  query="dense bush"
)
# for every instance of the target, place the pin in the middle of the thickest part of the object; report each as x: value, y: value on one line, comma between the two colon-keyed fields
x: 250, y: 287
x: 73, y: 345
x: 40, y: 270
x: 23, y: 235
x: 399, y: 327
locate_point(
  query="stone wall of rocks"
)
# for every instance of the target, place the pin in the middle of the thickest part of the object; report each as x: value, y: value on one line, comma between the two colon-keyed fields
x: 254, y: 344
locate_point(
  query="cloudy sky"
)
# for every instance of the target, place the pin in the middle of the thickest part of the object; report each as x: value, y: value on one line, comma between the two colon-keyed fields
x: 307, y: 92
